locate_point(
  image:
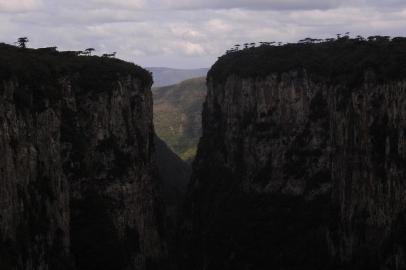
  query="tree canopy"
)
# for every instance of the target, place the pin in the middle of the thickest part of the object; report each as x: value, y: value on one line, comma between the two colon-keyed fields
x: 22, y: 42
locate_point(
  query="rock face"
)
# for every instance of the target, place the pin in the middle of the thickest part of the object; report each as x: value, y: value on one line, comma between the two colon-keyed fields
x: 116, y: 213
x: 297, y: 171
x: 78, y: 187
x: 34, y: 191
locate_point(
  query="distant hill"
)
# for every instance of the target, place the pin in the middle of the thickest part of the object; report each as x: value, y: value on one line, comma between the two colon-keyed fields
x: 169, y: 76
x: 177, y: 115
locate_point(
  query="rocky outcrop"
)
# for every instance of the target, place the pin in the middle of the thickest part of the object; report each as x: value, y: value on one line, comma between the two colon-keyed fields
x: 79, y: 185
x: 296, y: 170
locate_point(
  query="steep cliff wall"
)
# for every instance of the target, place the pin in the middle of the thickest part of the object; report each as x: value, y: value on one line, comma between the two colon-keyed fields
x: 78, y: 178
x: 34, y: 192
x: 302, y: 160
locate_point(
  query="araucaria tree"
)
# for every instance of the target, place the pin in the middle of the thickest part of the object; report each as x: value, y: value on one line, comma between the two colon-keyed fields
x: 89, y: 51
x: 22, y: 41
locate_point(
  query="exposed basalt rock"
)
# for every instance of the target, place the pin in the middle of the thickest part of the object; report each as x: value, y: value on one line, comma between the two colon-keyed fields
x: 78, y: 185
x: 116, y: 212
x: 298, y: 173
x: 34, y: 192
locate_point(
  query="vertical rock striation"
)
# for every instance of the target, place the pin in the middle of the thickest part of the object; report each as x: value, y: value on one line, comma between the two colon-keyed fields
x: 116, y: 212
x: 78, y: 187
x: 301, y: 166
x: 34, y: 192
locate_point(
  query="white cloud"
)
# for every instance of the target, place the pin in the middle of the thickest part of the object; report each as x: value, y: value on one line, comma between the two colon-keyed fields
x: 191, y: 49
x: 219, y: 26
x: 19, y: 5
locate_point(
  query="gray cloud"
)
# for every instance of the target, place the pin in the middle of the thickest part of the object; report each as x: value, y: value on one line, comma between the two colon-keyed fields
x: 253, y: 4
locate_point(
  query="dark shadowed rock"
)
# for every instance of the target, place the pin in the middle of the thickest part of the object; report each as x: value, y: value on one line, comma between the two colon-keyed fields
x: 78, y: 183
x: 302, y: 160
x: 174, y: 172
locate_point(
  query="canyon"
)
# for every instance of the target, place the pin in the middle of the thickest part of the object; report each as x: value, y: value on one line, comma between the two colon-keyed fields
x: 301, y: 162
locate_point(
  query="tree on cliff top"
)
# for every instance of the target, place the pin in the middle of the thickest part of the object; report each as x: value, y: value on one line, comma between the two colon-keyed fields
x: 89, y: 51
x: 343, y: 59
x: 22, y: 41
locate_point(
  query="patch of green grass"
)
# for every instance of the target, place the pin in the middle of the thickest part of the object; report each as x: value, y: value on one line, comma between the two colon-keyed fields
x: 189, y: 154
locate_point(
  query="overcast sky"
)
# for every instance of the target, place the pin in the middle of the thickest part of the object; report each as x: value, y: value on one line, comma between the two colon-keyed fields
x: 190, y: 33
